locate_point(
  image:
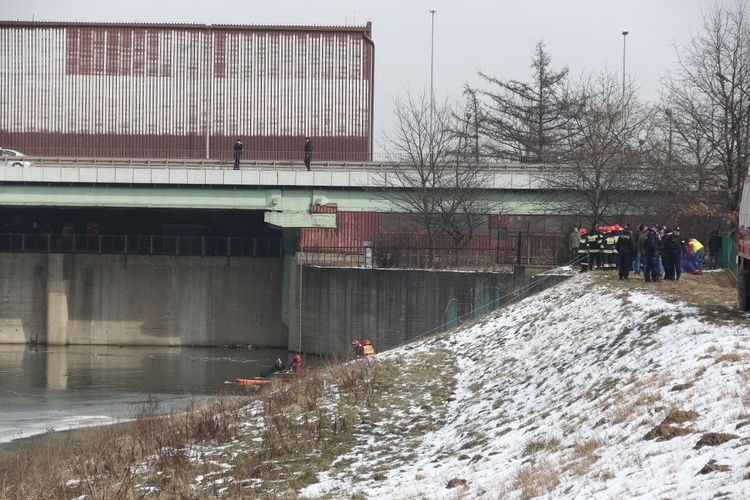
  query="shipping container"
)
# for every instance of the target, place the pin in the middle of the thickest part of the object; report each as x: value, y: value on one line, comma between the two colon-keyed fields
x: 186, y: 91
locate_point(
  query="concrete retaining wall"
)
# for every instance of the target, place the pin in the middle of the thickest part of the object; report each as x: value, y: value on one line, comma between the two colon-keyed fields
x: 63, y: 299
x: 391, y: 307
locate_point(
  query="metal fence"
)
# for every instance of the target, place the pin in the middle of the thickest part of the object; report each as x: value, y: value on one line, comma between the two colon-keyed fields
x: 493, y: 257
x: 141, y: 245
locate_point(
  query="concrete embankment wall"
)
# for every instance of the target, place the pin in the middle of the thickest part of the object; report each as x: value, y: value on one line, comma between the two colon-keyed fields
x: 390, y: 307
x: 61, y: 299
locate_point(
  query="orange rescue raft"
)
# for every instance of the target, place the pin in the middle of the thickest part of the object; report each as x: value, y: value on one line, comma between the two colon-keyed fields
x: 251, y: 381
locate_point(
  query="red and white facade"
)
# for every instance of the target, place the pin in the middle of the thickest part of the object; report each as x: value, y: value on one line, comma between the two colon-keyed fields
x: 146, y: 90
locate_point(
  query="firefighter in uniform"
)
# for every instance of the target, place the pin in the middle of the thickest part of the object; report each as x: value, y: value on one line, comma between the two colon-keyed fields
x: 367, y: 349
x: 594, y: 243
x: 608, y: 247
x: 583, y: 252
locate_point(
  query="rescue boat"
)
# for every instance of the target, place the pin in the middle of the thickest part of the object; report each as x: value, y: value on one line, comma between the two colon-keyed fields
x: 251, y: 381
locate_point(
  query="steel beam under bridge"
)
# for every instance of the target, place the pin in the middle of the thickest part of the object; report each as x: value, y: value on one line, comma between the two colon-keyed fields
x: 285, y: 191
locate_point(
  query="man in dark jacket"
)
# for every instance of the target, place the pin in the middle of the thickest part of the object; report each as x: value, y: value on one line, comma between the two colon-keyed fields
x: 714, y: 249
x: 671, y: 254
x: 308, y: 152
x: 636, y: 236
x: 680, y: 245
x: 651, y: 246
x: 625, y: 247
x: 238, y: 147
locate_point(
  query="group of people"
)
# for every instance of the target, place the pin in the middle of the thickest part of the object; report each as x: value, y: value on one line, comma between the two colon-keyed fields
x: 659, y: 252
x: 279, y: 366
x: 364, y: 350
x: 239, y: 148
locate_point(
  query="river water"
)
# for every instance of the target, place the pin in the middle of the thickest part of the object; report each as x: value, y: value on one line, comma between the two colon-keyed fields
x: 44, y: 389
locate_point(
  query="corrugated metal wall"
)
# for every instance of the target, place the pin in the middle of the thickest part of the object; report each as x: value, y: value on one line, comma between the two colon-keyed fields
x: 185, y: 90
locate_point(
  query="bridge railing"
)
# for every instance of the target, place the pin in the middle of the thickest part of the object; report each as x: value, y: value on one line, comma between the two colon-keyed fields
x: 377, y: 164
x: 141, y: 245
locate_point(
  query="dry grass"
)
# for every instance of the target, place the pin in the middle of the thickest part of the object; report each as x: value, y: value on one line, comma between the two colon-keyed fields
x: 715, y: 293
x: 160, y: 454
x: 541, y: 444
x: 584, y: 455
x: 536, y: 480
x: 731, y: 357
x: 100, y: 462
x: 267, y: 444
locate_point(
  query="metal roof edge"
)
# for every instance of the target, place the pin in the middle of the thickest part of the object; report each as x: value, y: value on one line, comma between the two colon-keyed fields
x: 251, y: 27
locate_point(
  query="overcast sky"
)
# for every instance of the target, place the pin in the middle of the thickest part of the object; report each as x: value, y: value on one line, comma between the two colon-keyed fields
x: 495, y: 36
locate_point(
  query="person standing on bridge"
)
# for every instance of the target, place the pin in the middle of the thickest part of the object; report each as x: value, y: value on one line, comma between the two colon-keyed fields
x: 308, y: 153
x: 238, y: 147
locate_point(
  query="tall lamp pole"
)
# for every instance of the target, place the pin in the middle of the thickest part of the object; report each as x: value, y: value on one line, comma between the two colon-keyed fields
x: 432, y: 94
x: 624, y: 37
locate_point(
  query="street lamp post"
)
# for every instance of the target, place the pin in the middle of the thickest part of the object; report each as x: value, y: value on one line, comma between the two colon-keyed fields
x: 624, y: 37
x: 432, y: 95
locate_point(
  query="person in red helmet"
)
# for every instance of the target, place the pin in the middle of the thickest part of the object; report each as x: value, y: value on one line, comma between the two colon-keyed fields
x: 297, y: 363
x: 594, y: 245
x: 609, y: 239
x: 367, y: 349
x: 356, y: 349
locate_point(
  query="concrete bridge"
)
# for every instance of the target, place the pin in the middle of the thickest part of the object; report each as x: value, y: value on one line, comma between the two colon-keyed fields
x: 283, y: 190
x: 69, y: 298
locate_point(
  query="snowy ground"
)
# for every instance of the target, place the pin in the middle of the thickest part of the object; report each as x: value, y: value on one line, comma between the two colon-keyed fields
x: 594, y: 388
x: 590, y: 389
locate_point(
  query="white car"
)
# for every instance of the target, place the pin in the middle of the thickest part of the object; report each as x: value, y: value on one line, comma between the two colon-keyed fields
x: 13, y: 158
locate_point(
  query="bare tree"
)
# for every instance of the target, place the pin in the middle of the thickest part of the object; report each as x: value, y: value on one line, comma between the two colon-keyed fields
x: 469, y: 119
x: 605, y: 166
x: 709, y: 97
x: 436, y: 189
x: 527, y: 121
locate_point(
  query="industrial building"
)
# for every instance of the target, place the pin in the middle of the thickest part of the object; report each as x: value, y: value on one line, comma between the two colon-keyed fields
x: 186, y: 90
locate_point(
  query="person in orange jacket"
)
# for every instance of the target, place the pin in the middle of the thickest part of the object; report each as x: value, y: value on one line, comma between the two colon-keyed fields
x: 367, y: 349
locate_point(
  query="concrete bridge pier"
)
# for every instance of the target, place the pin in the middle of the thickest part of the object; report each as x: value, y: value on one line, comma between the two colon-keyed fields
x: 58, y: 288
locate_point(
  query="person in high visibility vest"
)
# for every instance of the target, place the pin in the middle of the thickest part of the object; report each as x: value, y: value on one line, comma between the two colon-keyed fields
x: 367, y: 349
x: 695, y: 248
x: 593, y: 243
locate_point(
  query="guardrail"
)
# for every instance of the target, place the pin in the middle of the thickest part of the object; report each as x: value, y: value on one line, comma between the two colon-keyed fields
x: 141, y: 245
x: 228, y: 164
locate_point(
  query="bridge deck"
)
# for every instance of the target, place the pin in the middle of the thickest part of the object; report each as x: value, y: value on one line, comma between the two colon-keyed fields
x: 113, y: 171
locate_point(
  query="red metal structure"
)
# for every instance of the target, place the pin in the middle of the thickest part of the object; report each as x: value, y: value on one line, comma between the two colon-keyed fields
x: 499, y: 241
x: 743, y: 249
x: 186, y: 91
